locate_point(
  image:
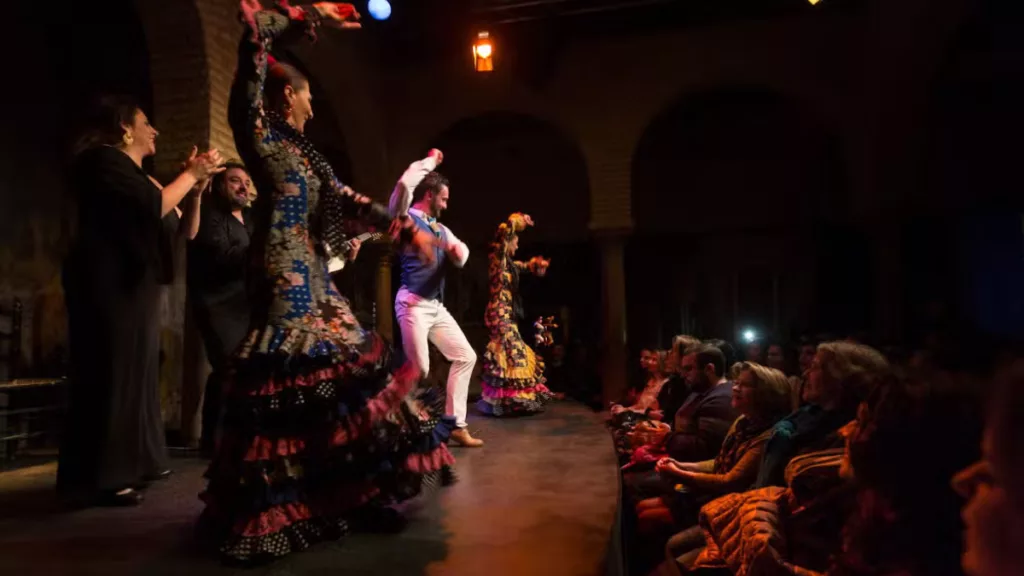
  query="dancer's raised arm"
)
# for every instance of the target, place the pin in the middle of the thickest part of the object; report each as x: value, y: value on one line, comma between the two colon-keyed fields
x: 265, y: 28
x: 401, y: 197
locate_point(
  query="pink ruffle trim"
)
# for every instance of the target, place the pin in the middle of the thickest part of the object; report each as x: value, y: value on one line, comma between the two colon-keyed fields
x: 491, y: 392
x: 265, y: 448
x: 312, y: 379
x: 425, y: 463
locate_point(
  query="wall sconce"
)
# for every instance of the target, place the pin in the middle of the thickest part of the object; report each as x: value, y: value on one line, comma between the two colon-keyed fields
x: 483, y: 53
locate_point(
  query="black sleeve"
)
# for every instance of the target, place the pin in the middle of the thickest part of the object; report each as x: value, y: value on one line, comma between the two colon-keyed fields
x: 121, y: 184
x: 219, y: 250
x: 119, y: 207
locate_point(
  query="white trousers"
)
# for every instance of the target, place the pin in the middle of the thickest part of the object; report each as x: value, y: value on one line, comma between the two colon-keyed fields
x: 423, y: 321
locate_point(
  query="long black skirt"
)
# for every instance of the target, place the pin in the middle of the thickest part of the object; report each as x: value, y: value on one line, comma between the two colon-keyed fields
x: 114, y: 434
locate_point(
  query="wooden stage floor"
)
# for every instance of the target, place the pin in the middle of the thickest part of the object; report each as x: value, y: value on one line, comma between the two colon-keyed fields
x: 539, y: 499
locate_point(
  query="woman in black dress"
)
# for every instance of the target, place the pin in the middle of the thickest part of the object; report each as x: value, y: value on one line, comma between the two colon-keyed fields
x: 113, y: 441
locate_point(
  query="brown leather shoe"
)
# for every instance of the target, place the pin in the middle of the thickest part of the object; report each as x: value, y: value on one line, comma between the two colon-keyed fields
x: 463, y: 438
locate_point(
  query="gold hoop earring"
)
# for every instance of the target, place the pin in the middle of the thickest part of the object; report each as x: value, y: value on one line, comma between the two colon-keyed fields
x: 127, y: 139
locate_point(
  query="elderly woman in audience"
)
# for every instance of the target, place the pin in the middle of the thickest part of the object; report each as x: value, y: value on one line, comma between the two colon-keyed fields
x: 761, y: 396
x: 994, y: 486
x: 838, y: 379
x: 907, y: 437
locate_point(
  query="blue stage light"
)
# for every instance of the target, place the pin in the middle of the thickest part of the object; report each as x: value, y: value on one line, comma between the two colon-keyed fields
x: 379, y: 9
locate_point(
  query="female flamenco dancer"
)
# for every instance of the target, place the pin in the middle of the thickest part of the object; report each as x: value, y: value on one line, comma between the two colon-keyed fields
x: 317, y: 434
x: 513, y: 376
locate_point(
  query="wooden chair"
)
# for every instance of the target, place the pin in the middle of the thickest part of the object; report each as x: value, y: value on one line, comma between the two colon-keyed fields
x: 10, y: 339
x: 30, y: 408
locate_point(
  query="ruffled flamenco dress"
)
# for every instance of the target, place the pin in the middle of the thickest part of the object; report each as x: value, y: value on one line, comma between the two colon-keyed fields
x: 513, y: 375
x: 317, y: 434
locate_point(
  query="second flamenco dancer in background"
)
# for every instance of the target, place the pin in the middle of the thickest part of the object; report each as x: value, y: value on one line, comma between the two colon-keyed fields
x: 513, y: 375
x: 317, y: 433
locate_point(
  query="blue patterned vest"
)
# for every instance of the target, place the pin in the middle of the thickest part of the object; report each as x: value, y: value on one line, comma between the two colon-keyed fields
x: 425, y: 280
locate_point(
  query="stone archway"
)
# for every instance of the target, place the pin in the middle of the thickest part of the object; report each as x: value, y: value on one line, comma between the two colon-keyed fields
x: 731, y: 183
x: 503, y: 162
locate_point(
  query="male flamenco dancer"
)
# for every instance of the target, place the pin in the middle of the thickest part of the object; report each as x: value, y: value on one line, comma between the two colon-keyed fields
x: 422, y: 194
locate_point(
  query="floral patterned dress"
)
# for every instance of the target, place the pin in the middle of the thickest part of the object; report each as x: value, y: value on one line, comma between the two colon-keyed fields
x: 316, y: 429
x: 513, y: 375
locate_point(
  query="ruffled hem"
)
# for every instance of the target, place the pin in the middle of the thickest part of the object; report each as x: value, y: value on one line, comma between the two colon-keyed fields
x: 430, y: 463
x: 295, y: 537
x: 527, y: 393
x: 437, y: 433
x: 308, y: 440
x: 273, y: 520
x: 513, y: 406
x: 511, y: 365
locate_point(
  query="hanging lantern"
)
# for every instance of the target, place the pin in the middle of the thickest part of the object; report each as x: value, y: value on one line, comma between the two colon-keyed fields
x: 483, y: 53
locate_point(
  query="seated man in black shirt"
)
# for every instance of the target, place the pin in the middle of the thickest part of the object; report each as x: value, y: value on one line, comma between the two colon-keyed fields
x: 217, y: 262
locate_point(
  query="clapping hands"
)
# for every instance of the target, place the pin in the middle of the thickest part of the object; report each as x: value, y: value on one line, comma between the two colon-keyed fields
x: 205, y: 165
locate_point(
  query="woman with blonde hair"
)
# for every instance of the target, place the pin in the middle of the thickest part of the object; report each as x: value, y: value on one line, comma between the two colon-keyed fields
x: 840, y: 377
x: 761, y: 396
x: 653, y: 362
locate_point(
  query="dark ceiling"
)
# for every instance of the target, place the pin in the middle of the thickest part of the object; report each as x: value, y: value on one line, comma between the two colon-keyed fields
x: 631, y: 13
x: 421, y: 30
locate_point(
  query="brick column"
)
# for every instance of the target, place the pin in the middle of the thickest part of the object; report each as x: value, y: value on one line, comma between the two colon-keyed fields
x: 611, y: 223
x: 192, y: 48
x: 221, y: 31
x: 613, y: 311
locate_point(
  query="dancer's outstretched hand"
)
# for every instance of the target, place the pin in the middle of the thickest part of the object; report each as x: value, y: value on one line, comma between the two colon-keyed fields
x: 339, y: 14
x: 540, y: 265
x: 437, y: 155
x: 527, y: 220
